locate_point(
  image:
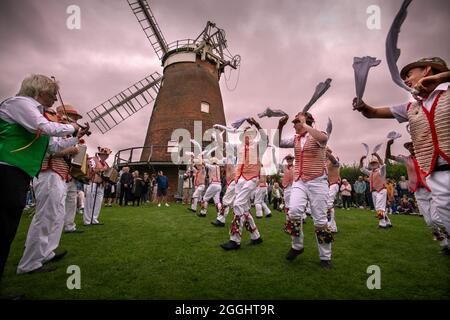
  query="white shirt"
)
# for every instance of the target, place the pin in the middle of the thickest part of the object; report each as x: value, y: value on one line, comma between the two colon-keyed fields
x: 28, y: 113
x: 400, y: 112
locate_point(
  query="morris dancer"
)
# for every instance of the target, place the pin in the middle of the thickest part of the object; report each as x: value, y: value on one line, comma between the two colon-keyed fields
x: 429, y: 125
x: 95, y: 189
x: 214, y: 187
x: 199, y: 183
x: 377, y: 175
x: 260, y: 204
x: 249, y: 166
x: 287, y: 181
x: 417, y: 185
x: 310, y: 183
x: 228, y: 198
x: 334, y: 179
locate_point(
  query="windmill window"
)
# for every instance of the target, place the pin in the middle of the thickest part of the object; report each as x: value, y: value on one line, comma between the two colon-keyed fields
x: 204, y: 107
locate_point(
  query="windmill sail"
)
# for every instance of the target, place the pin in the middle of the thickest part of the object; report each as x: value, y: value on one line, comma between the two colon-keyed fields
x: 123, y: 105
x: 147, y: 20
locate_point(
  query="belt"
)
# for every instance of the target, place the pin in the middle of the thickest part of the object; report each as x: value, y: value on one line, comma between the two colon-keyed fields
x: 443, y: 167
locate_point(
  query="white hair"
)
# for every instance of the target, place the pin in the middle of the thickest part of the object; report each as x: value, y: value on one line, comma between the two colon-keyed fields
x: 35, y: 84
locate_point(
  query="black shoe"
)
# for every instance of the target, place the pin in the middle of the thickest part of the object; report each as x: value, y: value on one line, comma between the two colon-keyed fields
x: 57, y: 257
x: 12, y: 296
x: 325, y: 264
x: 74, y: 231
x: 258, y: 217
x: 293, y: 253
x: 446, y: 251
x: 269, y: 215
x: 42, y: 269
x: 192, y: 210
x: 256, y: 241
x: 201, y: 215
x: 230, y: 245
x: 217, y: 223
x: 98, y: 224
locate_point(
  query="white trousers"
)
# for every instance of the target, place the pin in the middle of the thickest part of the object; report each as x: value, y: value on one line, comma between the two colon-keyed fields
x: 213, y: 191
x: 80, y: 199
x: 287, y: 195
x: 93, y: 203
x: 227, y: 201
x: 332, y: 192
x: 71, y: 206
x: 241, y: 208
x: 46, y: 227
x: 439, y: 183
x: 423, y: 198
x: 198, y: 193
x: 379, y: 201
x: 260, y: 204
x: 316, y: 191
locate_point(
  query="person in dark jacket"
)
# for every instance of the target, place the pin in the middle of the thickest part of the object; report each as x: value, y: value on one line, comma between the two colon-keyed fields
x: 126, y: 181
x: 163, y: 184
x: 137, y: 188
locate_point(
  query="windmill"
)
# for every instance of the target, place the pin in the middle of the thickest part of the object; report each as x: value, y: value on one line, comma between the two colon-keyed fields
x: 188, y: 89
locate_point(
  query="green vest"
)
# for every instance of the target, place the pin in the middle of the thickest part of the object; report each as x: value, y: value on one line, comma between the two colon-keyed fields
x: 13, y: 136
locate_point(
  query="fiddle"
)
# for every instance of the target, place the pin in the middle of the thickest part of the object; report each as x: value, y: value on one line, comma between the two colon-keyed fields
x: 66, y: 119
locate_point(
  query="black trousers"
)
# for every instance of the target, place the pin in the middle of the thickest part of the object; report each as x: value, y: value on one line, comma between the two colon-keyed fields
x: 124, y: 193
x: 14, y: 184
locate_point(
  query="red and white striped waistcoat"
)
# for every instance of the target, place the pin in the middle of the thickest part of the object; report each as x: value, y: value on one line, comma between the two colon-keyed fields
x: 288, y: 175
x: 334, y: 173
x: 430, y: 131
x: 309, y: 161
x: 377, y: 182
x: 230, y: 173
x: 248, y: 161
x: 416, y: 177
x: 200, y: 176
x: 214, y: 173
x: 56, y: 164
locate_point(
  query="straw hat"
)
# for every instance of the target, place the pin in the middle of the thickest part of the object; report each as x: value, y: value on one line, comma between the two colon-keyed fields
x: 434, y: 62
x: 70, y: 110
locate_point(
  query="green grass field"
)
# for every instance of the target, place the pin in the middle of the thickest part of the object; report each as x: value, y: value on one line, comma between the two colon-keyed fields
x: 169, y: 253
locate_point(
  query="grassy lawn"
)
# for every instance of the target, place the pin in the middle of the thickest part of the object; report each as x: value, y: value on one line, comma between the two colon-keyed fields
x: 169, y: 253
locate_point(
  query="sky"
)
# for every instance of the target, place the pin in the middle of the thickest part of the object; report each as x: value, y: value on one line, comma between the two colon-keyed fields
x: 286, y: 48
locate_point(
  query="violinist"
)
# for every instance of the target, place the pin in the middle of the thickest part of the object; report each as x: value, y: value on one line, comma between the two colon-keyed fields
x: 24, y: 137
x: 50, y: 189
x: 69, y: 113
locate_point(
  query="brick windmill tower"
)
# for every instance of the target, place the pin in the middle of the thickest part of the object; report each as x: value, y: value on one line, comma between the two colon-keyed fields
x: 188, y: 92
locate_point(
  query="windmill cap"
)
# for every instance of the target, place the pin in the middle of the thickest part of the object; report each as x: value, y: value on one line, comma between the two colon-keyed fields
x: 70, y: 110
x: 434, y: 62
